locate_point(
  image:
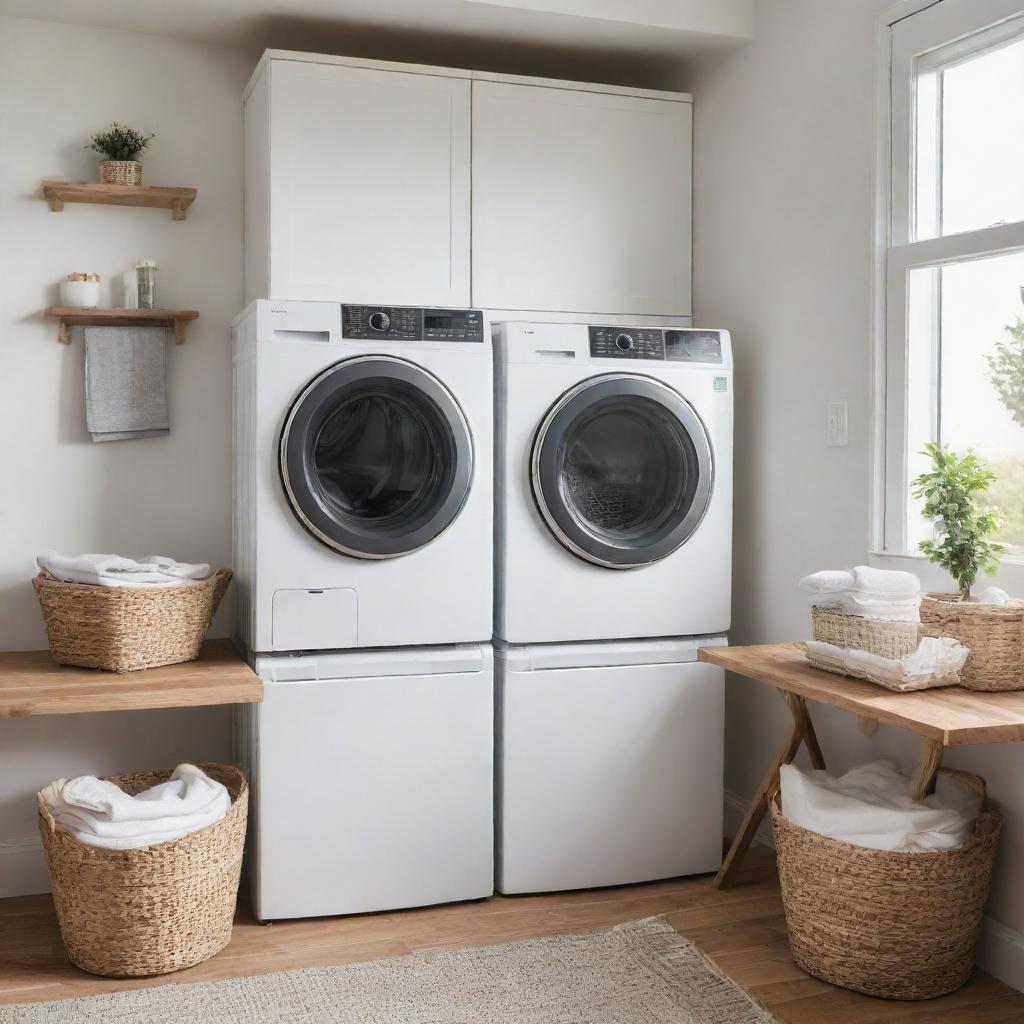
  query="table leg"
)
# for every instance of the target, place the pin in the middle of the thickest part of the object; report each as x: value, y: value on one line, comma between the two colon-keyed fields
x: 803, y: 732
x: 927, y: 766
x: 798, y: 708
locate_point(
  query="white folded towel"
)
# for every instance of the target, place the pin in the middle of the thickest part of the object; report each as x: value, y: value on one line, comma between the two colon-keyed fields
x: 829, y: 581
x: 936, y: 661
x: 889, y: 584
x: 887, y: 595
x: 115, y: 571
x: 102, y: 814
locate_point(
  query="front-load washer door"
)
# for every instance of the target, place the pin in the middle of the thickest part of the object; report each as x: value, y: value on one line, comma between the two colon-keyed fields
x: 622, y: 470
x: 376, y: 457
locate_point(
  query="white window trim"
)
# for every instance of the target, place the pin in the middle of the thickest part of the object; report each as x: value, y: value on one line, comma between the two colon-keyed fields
x: 890, y: 263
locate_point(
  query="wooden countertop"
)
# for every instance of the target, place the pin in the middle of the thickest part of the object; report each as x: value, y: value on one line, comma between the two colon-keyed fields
x: 31, y: 683
x: 951, y: 715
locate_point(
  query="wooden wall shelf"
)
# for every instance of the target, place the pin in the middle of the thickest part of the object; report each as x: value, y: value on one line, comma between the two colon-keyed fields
x: 70, y: 316
x: 32, y: 683
x: 177, y: 200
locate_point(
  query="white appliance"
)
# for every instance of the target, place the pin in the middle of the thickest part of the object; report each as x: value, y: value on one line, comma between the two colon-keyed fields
x: 614, y: 470
x: 609, y: 763
x: 374, y: 775
x: 363, y: 476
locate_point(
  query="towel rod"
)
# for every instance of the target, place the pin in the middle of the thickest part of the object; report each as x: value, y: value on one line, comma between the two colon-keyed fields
x: 69, y: 316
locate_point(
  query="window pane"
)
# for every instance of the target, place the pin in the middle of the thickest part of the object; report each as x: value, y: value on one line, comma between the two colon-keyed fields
x: 969, y: 146
x: 966, y: 373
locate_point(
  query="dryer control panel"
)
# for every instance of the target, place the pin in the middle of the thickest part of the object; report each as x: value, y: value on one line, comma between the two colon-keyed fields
x: 411, y: 323
x: 685, y: 345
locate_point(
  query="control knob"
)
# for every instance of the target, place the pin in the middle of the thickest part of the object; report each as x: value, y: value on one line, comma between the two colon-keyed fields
x: 380, y: 321
x: 625, y: 343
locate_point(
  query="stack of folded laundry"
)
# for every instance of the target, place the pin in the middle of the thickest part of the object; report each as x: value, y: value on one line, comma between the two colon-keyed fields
x: 937, y: 661
x: 102, y: 814
x: 882, y: 594
x: 115, y: 571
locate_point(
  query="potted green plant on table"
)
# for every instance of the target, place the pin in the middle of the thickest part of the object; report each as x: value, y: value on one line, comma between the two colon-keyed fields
x: 121, y: 146
x: 953, y: 492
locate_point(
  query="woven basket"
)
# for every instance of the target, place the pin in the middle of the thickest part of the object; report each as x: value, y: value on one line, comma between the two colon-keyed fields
x: 120, y: 172
x: 994, y: 633
x: 127, y: 628
x: 894, y: 925
x: 894, y: 640
x: 132, y: 913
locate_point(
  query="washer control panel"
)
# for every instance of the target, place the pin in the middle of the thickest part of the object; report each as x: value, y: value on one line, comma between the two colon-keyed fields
x: 411, y: 323
x: 683, y: 346
x: 626, y: 343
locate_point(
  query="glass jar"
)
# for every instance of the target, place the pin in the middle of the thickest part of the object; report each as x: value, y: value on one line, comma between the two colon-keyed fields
x: 145, y: 271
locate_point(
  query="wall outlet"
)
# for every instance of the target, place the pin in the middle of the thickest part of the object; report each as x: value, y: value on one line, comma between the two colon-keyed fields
x: 837, y: 434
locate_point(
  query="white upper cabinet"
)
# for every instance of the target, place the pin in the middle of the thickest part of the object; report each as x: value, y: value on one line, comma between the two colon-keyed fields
x: 357, y: 185
x: 581, y: 200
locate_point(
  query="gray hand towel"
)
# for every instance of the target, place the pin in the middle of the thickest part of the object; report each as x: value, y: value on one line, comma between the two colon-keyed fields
x: 125, y: 382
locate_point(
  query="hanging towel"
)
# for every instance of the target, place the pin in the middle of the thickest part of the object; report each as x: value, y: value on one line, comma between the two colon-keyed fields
x: 125, y: 382
x: 102, y: 814
x: 115, y: 571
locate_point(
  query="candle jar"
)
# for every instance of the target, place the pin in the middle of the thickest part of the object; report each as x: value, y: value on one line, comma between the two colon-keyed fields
x: 145, y: 271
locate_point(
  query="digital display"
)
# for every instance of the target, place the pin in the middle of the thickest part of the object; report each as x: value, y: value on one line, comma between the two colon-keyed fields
x: 693, y: 346
x: 445, y: 322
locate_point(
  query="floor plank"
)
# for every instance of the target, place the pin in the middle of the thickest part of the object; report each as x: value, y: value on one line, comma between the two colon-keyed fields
x: 742, y: 930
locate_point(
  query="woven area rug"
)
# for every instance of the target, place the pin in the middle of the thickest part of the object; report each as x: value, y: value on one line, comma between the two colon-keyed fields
x: 638, y: 973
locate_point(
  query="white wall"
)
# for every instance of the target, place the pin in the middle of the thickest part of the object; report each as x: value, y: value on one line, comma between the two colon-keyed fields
x: 57, y: 489
x: 784, y: 152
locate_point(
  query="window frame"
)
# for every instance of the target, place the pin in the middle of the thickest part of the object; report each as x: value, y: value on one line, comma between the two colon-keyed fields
x: 938, y: 34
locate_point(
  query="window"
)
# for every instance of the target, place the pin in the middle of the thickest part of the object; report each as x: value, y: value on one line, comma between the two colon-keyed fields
x: 954, y: 278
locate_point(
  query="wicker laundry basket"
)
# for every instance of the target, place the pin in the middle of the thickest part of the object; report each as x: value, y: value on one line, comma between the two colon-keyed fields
x: 890, y: 924
x: 132, y: 913
x: 122, y: 629
x: 994, y: 633
x: 894, y: 640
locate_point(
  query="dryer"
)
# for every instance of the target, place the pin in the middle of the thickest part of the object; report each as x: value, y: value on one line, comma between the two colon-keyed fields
x: 614, y: 469
x: 363, y: 476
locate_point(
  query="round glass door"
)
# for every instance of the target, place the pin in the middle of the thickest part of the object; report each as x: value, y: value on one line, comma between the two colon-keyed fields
x: 622, y: 470
x: 376, y: 457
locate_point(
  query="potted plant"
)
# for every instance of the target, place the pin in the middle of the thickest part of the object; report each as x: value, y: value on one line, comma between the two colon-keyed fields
x: 953, y: 492
x: 121, y: 146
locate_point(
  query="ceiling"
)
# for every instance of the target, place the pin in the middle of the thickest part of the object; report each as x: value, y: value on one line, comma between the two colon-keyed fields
x: 639, y: 42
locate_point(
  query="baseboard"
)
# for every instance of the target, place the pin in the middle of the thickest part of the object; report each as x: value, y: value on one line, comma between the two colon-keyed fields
x: 736, y: 810
x: 1001, y: 953
x: 22, y: 867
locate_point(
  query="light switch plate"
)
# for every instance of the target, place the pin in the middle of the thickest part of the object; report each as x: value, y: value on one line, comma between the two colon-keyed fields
x: 837, y: 434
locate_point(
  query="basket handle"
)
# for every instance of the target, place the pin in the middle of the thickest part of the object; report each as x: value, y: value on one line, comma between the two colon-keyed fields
x: 972, y: 781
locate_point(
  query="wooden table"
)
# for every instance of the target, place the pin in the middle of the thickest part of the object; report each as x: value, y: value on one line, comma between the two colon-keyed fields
x: 32, y: 683
x: 947, y: 717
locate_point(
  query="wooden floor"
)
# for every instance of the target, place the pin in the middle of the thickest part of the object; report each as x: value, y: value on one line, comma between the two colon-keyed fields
x: 742, y: 930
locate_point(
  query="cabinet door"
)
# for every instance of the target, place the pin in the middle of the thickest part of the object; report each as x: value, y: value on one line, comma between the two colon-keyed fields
x: 581, y: 201
x: 369, y: 185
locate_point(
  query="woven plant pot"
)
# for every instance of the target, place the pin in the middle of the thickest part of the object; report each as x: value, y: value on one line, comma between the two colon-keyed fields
x: 894, y: 640
x: 120, y: 172
x: 132, y: 913
x: 994, y: 634
x: 894, y: 925
x: 122, y: 629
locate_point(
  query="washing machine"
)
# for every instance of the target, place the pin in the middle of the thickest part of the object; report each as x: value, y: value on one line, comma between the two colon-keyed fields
x: 613, y: 557
x: 614, y: 470
x: 363, y: 450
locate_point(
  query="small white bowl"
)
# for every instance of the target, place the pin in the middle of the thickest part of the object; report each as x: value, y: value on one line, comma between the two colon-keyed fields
x: 80, y: 294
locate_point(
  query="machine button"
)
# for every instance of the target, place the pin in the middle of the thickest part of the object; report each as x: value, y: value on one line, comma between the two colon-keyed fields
x: 380, y: 321
x: 624, y: 342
